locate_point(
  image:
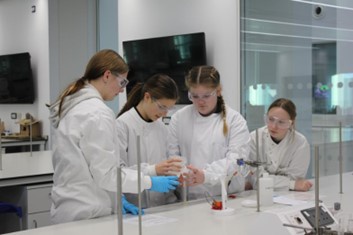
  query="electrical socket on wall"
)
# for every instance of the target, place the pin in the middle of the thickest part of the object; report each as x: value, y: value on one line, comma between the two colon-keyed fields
x: 13, y: 115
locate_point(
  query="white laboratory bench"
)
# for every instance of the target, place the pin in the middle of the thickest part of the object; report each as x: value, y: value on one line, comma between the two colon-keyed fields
x: 26, y: 168
x: 26, y: 181
x: 196, y: 218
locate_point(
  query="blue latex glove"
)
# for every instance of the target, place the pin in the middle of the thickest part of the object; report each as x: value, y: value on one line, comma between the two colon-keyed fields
x: 164, y: 184
x: 129, y: 207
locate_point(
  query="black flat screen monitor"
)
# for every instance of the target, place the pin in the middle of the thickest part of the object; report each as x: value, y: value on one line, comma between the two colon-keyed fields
x: 16, y: 81
x: 171, y: 55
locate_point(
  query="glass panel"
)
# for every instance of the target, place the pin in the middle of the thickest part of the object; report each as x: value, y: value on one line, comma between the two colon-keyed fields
x: 301, y: 50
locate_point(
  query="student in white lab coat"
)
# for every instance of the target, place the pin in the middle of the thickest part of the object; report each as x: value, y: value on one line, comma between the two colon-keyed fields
x: 285, y: 151
x: 86, y: 148
x: 146, y: 105
x: 209, y: 134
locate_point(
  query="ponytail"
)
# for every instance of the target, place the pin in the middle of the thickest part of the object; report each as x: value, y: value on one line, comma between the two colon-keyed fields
x: 223, y: 115
x: 99, y: 63
x: 133, y: 98
x: 71, y: 89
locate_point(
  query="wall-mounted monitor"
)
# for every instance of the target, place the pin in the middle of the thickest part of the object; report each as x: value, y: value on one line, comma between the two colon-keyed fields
x: 16, y: 80
x: 172, y: 55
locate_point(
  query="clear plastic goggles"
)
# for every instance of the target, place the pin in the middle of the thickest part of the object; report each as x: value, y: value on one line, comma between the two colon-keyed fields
x: 162, y: 107
x: 122, y: 81
x: 275, y: 121
x: 204, y: 97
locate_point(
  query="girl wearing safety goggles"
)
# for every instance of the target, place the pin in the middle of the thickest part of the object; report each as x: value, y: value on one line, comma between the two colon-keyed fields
x: 285, y: 151
x: 146, y: 105
x: 209, y: 134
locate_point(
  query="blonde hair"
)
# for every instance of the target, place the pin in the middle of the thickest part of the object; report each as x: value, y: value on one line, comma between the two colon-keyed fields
x: 208, y: 76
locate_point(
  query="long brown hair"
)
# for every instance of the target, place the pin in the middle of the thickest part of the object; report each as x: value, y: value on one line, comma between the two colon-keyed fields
x: 208, y: 76
x: 159, y: 86
x: 99, y: 63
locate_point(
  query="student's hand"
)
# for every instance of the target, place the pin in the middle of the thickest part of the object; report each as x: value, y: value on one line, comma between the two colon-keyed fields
x: 302, y: 185
x: 129, y: 207
x: 248, y: 186
x: 171, y: 166
x: 164, y: 184
x: 194, y: 176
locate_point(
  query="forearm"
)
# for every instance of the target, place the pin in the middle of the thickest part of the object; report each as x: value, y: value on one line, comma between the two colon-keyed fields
x: 129, y: 179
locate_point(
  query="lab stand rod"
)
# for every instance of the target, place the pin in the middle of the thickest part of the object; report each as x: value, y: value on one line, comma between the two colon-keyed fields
x: 340, y: 157
x: 119, y: 204
x: 30, y: 137
x: 257, y: 173
x: 184, y: 186
x: 185, y: 192
x: 139, y: 182
x: 0, y: 147
x: 317, y: 189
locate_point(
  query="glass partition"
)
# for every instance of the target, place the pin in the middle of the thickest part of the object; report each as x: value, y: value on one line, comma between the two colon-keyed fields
x: 302, y: 50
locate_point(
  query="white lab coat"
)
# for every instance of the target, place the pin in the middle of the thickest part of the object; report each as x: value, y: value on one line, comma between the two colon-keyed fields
x: 153, y: 146
x: 288, y: 160
x: 85, y: 159
x: 201, y: 140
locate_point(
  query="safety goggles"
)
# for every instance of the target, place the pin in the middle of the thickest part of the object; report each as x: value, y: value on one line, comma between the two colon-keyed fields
x: 162, y: 107
x: 281, y: 124
x: 122, y: 81
x: 204, y: 97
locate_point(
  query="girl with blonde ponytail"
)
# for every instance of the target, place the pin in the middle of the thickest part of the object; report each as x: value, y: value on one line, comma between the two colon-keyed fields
x: 209, y: 134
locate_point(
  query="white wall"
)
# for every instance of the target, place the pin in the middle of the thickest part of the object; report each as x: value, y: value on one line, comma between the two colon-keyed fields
x: 108, y: 35
x: 72, y: 41
x: 219, y: 20
x: 24, y: 31
x: 72, y: 33
x: 60, y: 36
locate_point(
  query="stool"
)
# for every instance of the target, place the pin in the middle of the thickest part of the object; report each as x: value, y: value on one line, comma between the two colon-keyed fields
x: 10, y: 208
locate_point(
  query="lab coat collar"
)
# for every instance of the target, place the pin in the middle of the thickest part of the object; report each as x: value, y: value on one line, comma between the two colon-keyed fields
x: 87, y: 92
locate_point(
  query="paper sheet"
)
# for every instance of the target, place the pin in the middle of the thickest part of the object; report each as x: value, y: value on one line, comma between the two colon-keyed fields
x: 150, y: 220
x: 288, y: 201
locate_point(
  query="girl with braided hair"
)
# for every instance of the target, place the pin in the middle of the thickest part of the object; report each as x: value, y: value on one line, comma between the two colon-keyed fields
x: 209, y: 134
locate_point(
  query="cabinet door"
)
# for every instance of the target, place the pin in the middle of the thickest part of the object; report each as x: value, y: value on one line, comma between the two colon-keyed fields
x: 39, y: 198
x: 37, y: 220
